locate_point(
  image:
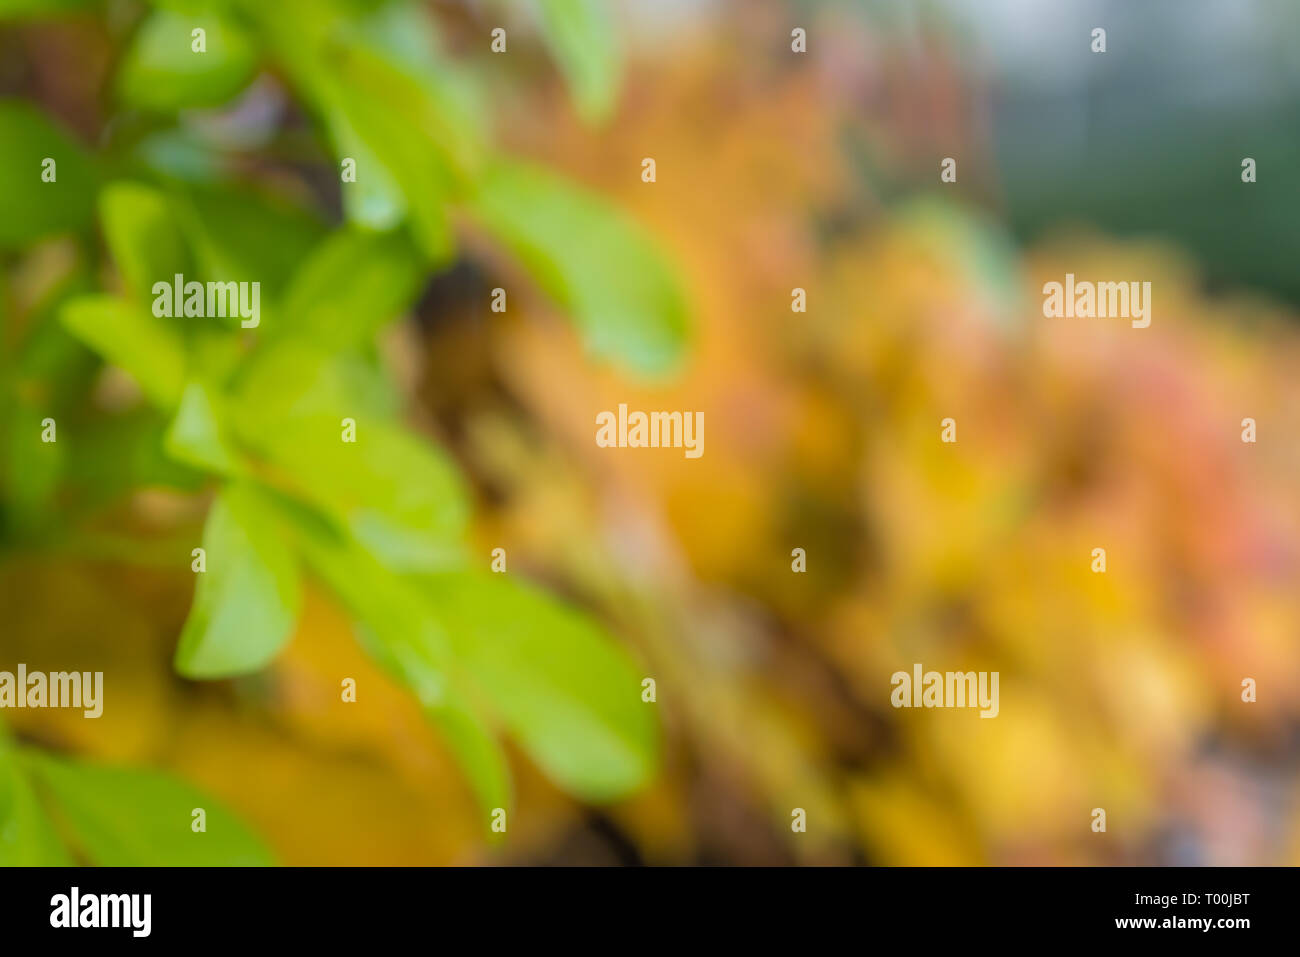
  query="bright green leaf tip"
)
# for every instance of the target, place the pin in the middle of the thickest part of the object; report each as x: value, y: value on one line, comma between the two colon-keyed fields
x: 246, y: 601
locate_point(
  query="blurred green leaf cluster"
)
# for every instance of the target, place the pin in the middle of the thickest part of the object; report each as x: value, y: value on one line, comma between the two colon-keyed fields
x: 258, y: 415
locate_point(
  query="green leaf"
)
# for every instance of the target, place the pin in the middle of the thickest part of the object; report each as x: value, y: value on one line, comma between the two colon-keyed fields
x: 29, y: 207
x: 565, y: 691
x: 477, y: 751
x: 416, y: 143
x: 582, y: 38
x: 403, y: 157
x: 130, y: 336
x: 162, y: 72
x: 395, y: 48
x: 127, y: 817
x: 397, y: 628
x: 352, y: 284
x: 142, y: 235
x: 247, y: 601
x: 195, y: 436
x: 374, y: 200
x: 591, y: 258
x: 27, y: 837
x: 290, y: 381
x: 393, y: 491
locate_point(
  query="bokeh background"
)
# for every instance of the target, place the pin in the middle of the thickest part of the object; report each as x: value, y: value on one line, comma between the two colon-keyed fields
x: 775, y: 170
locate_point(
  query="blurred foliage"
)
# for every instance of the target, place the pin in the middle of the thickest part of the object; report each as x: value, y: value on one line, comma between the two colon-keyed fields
x: 259, y: 415
x: 1119, y: 690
